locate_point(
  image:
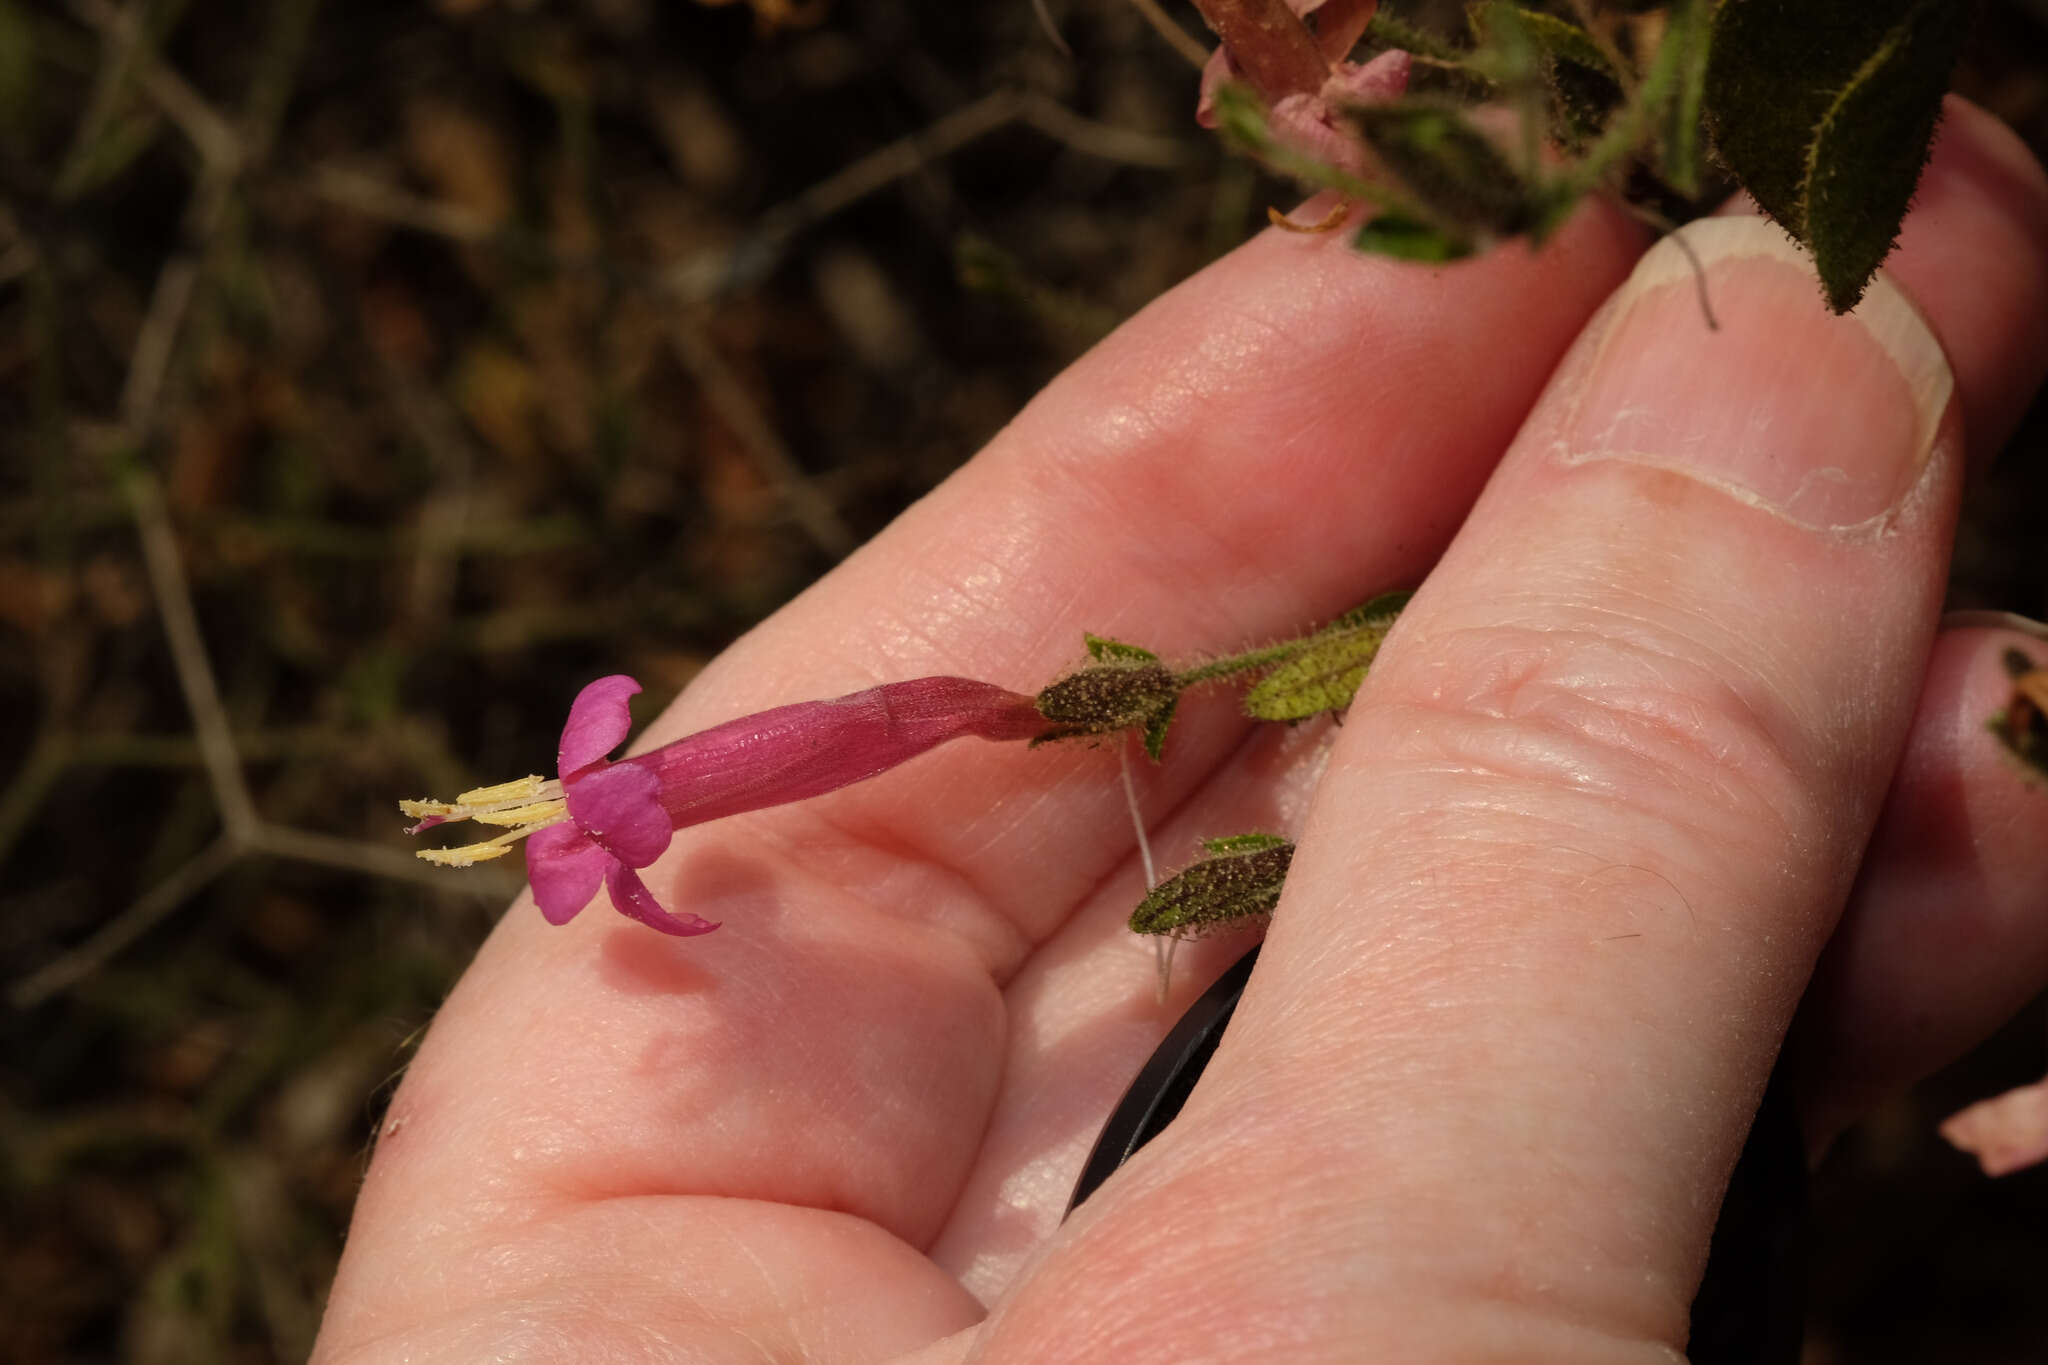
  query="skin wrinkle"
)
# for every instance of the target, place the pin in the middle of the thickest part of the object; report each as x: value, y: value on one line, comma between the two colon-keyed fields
x: 1598, y: 834
x: 1655, y: 632
x: 1524, y: 688
x: 938, y: 881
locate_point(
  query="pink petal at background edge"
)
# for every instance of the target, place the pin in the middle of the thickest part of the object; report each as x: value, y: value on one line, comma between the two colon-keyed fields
x: 2005, y: 1133
x: 599, y: 720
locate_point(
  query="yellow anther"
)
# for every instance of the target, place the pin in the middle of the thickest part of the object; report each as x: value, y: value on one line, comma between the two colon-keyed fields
x: 519, y: 791
x: 539, y: 813
x: 466, y: 854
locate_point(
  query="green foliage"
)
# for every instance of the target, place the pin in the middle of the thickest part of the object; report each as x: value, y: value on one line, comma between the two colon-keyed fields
x: 1238, y: 882
x: 1686, y: 46
x: 1556, y: 39
x: 1454, y: 171
x: 1105, y: 650
x: 1325, y: 674
x: 1584, y: 84
x: 1826, y: 111
x: 1394, y: 234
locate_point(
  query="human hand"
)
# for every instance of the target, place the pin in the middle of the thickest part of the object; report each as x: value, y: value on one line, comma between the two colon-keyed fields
x: 1563, y: 875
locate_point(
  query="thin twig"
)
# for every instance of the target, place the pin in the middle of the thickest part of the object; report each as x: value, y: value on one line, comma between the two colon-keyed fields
x: 173, y: 595
x: 1052, y: 30
x: 31, y: 782
x: 1177, y: 38
x: 709, y: 274
x: 757, y: 435
x: 446, y: 511
x: 70, y: 968
x: 372, y: 198
x: 119, y: 51
x: 19, y: 254
x: 306, y: 846
x: 212, y: 136
x: 223, y: 157
x: 354, y: 855
x: 1103, y: 141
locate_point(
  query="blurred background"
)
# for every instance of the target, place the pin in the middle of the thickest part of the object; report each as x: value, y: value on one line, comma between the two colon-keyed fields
x: 372, y: 375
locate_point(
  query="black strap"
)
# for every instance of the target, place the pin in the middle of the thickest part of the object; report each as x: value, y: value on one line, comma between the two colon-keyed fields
x: 1751, y: 1305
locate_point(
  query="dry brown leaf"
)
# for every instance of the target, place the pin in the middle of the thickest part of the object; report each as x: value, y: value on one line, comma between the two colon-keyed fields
x: 463, y: 156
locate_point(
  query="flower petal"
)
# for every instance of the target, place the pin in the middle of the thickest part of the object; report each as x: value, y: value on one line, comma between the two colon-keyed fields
x: 795, y: 752
x: 564, y: 865
x: 620, y: 807
x: 2005, y: 1133
x: 599, y: 720
x: 635, y: 901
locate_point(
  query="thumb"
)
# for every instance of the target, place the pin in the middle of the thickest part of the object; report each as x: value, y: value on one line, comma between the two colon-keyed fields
x: 1588, y: 827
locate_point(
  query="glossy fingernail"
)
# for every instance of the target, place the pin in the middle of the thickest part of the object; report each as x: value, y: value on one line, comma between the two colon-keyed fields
x: 1824, y: 420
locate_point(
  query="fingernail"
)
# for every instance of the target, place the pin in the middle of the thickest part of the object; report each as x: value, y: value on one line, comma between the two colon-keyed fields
x: 1823, y: 420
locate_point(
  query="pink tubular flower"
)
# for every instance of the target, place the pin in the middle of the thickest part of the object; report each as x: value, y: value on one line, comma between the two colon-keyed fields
x: 601, y: 821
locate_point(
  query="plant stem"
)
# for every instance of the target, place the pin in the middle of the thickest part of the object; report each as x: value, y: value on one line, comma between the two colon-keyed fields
x: 1239, y: 663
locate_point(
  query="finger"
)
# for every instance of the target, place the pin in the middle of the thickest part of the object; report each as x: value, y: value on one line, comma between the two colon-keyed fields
x: 1943, y: 940
x: 1083, y: 1034
x: 1585, y: 833
x: 1316, y: 421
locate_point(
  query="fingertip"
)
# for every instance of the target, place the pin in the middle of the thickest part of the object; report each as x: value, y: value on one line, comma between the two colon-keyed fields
x: 1944, y: 937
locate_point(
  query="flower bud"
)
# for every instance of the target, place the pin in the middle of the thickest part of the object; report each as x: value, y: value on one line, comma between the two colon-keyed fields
x: 1125, y: 688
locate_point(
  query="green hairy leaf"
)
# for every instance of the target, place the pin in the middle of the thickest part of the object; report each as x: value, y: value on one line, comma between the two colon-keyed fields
x: 1155, y: 729
x: 1394, y: 234
x: 1239, y: 881
x: 1452, y: 168
x: 1325, y: 674
x: 1687, y: 33
x: 1554, y: 37
x: 1102, y: 648
x: 1826, y: 109
x: 1584, y: 85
